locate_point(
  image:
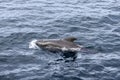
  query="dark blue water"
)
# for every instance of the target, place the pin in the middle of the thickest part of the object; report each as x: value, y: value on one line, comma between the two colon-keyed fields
x: 96, y: 24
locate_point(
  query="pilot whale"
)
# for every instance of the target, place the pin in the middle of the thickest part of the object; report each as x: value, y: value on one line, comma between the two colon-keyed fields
x: 56, y: 45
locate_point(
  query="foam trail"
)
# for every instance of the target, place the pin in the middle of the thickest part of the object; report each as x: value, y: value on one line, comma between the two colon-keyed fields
x: 32, y: 44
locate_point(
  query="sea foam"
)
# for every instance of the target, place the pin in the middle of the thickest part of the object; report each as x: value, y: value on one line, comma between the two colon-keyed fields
x: 32, y: 44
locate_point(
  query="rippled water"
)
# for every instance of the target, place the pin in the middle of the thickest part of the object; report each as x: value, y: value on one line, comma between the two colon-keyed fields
x: 96, y: 24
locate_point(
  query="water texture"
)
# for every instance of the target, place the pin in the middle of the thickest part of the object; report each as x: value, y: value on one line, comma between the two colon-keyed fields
x: 96, y: 24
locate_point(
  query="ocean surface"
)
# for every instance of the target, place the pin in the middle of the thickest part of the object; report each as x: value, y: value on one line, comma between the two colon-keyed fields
x: 96, y: 24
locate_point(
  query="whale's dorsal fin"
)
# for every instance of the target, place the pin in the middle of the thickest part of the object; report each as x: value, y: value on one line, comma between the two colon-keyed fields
x: 70, y: 39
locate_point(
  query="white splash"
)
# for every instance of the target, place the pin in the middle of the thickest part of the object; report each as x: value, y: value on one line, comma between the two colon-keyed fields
x: 33, y: 45
x: 70, y: 49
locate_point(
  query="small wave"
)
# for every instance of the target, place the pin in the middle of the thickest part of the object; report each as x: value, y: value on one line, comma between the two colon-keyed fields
x: 18, y: 70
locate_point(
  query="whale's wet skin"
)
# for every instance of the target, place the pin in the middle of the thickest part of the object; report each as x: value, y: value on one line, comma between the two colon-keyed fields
x: 55, y: 45
x: 67, y: 46
x: 95, y: 24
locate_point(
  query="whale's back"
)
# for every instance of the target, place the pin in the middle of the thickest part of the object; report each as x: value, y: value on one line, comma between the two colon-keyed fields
x: 58, y: 45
